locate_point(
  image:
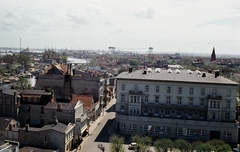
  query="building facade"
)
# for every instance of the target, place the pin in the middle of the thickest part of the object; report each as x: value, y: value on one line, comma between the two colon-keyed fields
x: 177, y: 104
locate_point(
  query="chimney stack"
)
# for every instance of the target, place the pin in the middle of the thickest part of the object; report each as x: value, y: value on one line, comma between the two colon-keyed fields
x: 27, y: 127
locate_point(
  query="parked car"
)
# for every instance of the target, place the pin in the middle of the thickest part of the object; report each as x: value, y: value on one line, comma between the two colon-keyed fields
x: 132, y: 146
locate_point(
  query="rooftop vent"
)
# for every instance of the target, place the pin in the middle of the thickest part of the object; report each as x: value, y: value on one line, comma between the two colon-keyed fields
x: 189, y: 71
x: 198, y: 72
x: 177, y: 71
x: 169, y: 71
x: 157, y: 70
x: 149, y: 70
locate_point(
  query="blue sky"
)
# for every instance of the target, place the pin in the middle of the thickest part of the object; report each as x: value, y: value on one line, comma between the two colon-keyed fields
x: 193, y: 26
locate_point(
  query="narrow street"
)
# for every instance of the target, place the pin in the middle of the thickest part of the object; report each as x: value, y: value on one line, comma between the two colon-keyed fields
x: 99, y: 131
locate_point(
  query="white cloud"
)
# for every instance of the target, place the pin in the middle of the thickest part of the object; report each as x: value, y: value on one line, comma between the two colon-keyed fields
x: 74, y: 16
x: 148, y: 13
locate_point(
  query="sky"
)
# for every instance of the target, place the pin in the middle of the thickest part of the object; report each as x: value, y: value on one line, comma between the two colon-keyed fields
x: 194, y: 26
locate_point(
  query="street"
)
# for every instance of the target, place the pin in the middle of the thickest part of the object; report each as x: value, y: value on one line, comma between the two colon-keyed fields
x: 99, y: 133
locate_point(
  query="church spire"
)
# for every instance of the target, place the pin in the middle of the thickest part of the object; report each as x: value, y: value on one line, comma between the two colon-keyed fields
x: 213, y: 56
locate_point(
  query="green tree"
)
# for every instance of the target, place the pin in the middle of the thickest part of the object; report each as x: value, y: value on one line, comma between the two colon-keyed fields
x: 116, y: 143
x: 206, y: 147
x: 162, y: 145
x: 143, y: 143
x: 9, y: 59
x: 219, y: 145
x: 93, y: 62
x: 2, y: 70
x: 122, y: 70
x: 23, y: 59
x: 22, y: 83
x: 182, y: 145
x: 64, y: 57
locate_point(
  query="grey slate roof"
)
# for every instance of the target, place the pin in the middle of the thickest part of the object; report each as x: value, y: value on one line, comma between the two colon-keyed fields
x: 59, y: 127
x: 19, y: 91
x: 65, y: 106
x: 184, y: 76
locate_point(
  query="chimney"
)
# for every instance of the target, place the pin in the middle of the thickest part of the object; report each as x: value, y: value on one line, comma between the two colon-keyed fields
x: 55, y: 120
x: 204, y: 75
x: 130, y: 70
x: 59, y: 106
x: 27, y: 127
x: 216, y: 74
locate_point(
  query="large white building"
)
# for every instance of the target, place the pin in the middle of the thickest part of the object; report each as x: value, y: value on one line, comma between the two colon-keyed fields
x: 177, y: 104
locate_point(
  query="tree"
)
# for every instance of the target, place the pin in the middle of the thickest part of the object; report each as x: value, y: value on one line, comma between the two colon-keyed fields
x: 162, y: 145
x: 219, y: 145
x: 9, y: 59
x: 122, y: 70
x: 182, y: 145
x: 206, y: 147
x: 143, y: 143
x: 22, y: 83
x: 116, y: 143
x: 23, y: 59
x: 64, y: 57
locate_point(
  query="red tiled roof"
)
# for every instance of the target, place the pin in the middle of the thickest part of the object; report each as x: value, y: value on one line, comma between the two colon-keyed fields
x: 87, y: 100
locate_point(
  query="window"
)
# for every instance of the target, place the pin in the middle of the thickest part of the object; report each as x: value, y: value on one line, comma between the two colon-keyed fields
x: 200, y: 115
x: 214, y: 116
x: 156, y: 129
x: 146, y: 99
x: 146, y: 88
x: 227, y: 116
x: 178, y: 114
x: 167, y: 112
x: 228, y: 93
x: 122, y: 126
x: 123, y: 87
x: 202, y: 91
x: 145, y: 111
x: 203, y: 133
x: 215, y: 104
x: 190, y: 101
x: 135, y: 99
x: 122, y: 109
x: 180, y: 90
x: 168, y: 100
x: 156, y: 99
x: 190, y: 114
x: 179, y: 101
x: 168, y: 89
x: 133, y: 127
x: 45, y: 139
x: 227, y: 135
x: 228, y: 104
x: 157, y: 88
x: 202, y: 102
x: 191, y: 91
x: 164, y: 130
x: 179, y: 131
x: 156, y: 112
x: 122, y: 97
x: 135, y: 87
x: 134, y: 110
x: 144, y: 128
x: 214, y: 92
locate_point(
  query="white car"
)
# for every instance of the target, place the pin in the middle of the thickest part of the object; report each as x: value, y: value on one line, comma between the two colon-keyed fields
x: 132, y: 146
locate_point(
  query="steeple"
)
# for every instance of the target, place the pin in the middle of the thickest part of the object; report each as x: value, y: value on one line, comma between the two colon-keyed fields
x: 213, y: 56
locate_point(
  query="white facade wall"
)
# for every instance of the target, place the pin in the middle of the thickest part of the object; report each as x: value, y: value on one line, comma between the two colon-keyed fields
x: 197, y: 115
